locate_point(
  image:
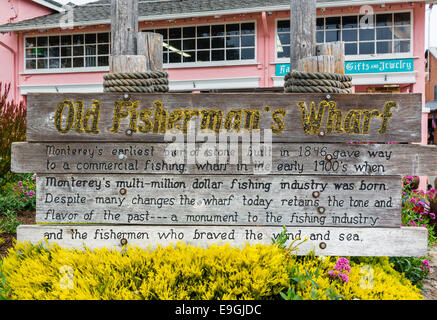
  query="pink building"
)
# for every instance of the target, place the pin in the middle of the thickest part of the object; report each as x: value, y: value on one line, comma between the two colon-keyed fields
x: 216, y: 45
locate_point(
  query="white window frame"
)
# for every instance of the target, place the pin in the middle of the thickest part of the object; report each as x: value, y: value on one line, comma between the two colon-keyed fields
x: 66, y: 70
x: 361, y: 57
x: 212, y: 63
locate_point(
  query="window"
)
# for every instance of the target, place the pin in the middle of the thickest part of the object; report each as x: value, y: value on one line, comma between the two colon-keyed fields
x: 208, y: 43
x: 67, y: 51
x: 390, y: 33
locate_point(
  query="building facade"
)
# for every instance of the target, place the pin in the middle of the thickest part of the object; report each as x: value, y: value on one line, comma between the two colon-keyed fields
x: 217, y: 45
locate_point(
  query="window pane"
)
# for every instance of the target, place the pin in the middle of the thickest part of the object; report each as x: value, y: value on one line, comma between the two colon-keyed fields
x: 189, y: 56
x: 218, y: 42
x: 350, y: 35
x: 383, y: 20
x: 42, y: 64
x: 78, y: 39
x: 332, y: 36
x: 41, y: 52
x: 30, y: 42
x: 367, y: 34
x: 77, y: 62
x: 43, y: 41
x: 90, y: 61
x: 54, y: 63
x: 247, y: 54
x: 175, y: 57
x: 203, y: 31
x: 190, y: 44
x: 218, y: 55
x: 54, y: 52
x: 383, y: 34
x: 103, y: 61
x: 284, y: 52
x: 165, y: 57
x: 249, y: 41
x: 65, y: 40
x: 367, y: 48
x: 103, y: 37
x: 402, y: 32
x: 248, y: 28
x: 189, y: 32
x: 30, y: 53
x: 90, y: 50
x: 103, y: 49
x: 90, y: 38
x: 66, y: 63
x: 333, y: 23
x: 383, y: 47
x: 284, y: 38
x: 218, y: 30
x: 30, y: 64
x: 350, y: 22
x: 233, y: 54
x: 232, y: 42
x: 233, y: 29
x: 175, y: 33
x: 350, y: 49
x: 320, y: 24
x: 54, y: 41
x: 402, y: 18
x: 78, y: 51
x: 320, y: 37
x: 66, y: 51
x: 203, y: 56
x: 175, y: 44
x: 401, y: 46
x: 284, y: 26
x: 203, y: 43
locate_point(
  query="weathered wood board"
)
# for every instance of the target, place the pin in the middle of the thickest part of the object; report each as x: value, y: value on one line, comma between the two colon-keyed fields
x: 290, y: 117
x: 219, y: 200
x: 280, y: 158
x: 336, y: 241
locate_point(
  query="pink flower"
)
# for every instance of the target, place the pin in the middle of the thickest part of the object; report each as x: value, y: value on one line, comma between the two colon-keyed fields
x: 344, y: 277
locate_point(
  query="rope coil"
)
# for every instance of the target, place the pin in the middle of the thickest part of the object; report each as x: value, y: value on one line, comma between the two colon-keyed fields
x: 139, y: 82
x: 317, y: 82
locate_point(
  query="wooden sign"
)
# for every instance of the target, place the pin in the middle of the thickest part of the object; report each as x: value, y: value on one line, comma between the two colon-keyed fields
x: 277, y: 159
x: 410, y: 242
x: 219, y: 200
x: 290, y: 117
x: 110, y: 174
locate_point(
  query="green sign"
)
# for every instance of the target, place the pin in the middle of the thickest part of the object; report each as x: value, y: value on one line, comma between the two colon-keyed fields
x: 379, y: 66
x: 364, y: 66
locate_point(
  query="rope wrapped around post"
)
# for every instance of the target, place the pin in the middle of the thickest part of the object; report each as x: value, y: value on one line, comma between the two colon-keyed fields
x: 317, y: 82
x: 140, y: 82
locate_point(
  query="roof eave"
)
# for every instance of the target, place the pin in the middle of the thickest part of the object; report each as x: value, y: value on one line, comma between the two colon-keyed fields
x: 49, y: 5
x: 203, y: 14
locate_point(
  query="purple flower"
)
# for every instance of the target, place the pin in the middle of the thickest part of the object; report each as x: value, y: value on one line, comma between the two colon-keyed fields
x: 344, y: 277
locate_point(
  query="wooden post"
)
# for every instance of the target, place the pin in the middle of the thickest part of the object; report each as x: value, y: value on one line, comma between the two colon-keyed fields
x: 124, y: 27
x: 302, y: 30
x: 150, y: 46
x: 335, y: 49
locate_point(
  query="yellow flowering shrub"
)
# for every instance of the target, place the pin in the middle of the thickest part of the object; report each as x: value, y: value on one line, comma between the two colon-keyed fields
x: 183, y: 272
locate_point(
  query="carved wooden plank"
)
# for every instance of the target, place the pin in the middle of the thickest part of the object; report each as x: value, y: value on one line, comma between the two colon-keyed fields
x: 289, y: 159
x: 219, y: 200
x: 291, y: 117
x: 403, y: 242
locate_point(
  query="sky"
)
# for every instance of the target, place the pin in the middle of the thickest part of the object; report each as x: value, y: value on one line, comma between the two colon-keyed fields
x: 433, y: 26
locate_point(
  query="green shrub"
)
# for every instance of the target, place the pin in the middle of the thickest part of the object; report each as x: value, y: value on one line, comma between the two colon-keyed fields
x: 12, y: 129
